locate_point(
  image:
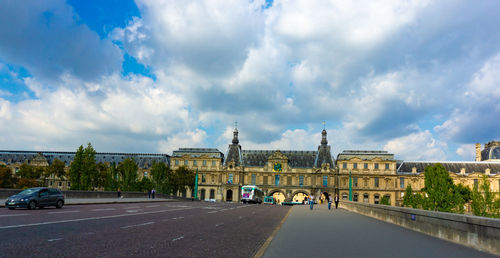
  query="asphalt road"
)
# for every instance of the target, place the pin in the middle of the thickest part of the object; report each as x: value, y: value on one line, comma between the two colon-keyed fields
x: 173, y: 229
x: 340, y: 233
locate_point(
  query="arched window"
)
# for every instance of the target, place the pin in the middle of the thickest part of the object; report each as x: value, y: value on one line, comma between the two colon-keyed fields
x: 344, y: 196
x: 355, y: 197
x: 202, y: 195
x: 212, y: 194
x: 376, y: 198
x: 365, y: 198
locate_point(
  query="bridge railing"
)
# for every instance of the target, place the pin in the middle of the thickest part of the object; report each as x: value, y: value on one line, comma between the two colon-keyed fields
x: 477, y: 232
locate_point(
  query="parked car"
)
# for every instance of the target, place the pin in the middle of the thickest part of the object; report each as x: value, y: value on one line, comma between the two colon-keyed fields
x: 32, y: 198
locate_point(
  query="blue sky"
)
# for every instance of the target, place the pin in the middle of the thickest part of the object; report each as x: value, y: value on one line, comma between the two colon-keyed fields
x: 416, y: 78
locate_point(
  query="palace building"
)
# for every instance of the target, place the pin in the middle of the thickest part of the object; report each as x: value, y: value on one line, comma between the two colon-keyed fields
x: 292, y: 175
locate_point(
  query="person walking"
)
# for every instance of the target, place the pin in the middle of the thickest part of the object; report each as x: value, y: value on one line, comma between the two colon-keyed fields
x: 311, y: 201
x: 329, y: 202
x: 153, y: 193
x: 336, y: 201
x: 149, y: 194
x: 119, y: 193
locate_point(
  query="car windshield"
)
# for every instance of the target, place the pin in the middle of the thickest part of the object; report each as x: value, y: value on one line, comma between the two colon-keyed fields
x: 28, y: 191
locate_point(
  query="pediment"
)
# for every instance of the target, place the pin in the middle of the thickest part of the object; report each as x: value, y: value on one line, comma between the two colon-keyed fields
x: 277, y: 156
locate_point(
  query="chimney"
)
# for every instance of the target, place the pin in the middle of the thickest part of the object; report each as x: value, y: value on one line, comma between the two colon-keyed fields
x: 478, y: 151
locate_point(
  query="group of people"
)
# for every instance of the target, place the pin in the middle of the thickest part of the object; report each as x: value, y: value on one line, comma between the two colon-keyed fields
x: 151, y: 193
x: 335, y: 200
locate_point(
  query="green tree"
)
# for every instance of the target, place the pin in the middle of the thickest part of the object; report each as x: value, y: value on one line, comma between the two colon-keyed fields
x: 463, y: 195
x: 160, y: 172
x: 76, y: 169
x: 6, y: 179
x: 411, y: 199
x: 181, y: 179
x: 56, y: 169
x: 127, y: 170
x: 30, y: 172
x: 145, y: 184
x: 439, y: 188
x: 483, y: 200
x: 385, y: 200
x: 90, y: 176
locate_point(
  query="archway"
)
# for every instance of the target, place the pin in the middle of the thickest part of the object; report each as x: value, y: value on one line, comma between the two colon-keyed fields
x: 324, y: 197
x: 300, y: 196
x: 229, y: 195
x: 278, y: 195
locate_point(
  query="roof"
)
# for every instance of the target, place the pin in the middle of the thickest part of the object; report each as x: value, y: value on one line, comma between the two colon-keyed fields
x: 142, y: 159
x: 365, y: 155
x: 296, y: 159
x: 198, y: 152
x: 451, y: 166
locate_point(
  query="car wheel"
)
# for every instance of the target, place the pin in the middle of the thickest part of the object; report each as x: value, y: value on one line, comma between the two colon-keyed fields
x: 31, y: 205
x: 12, y: 208
x: 59, y: 204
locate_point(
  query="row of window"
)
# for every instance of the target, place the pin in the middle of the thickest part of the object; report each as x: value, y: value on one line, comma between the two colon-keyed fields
x: 195, y: 163
x: 365, y: 165
x: 366, y: 197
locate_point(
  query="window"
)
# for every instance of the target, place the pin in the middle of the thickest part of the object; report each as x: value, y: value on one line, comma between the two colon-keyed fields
x: 402, y: 182
x: 203, y: 178
x: 325, y: 181
x: 365, y: 198
x: 301, y: 180
x: 213, y: 163
x: 265, y: 180
x: 376, y: 198
x: 69, y: 184
x: 185, y: 162
x: 344, y: 196
x: 177, y: 162
x: 355, y: 197
x: 355, y: 181
x: 344, y: 165
x: 376, y: 165
x: 355, y: 165
x: 289, y: 180
x: 212, y: 194
x: 204, y: 163
x: 376, y: 181
x: 254, y: 179
x: 277, y: 180
x: 365, y: 165
x: 230, y: 178
x: 387, y: 166
x: 195, y: 163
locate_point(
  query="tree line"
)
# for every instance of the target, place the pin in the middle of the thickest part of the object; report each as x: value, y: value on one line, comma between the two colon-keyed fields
x: 88, y: 175
x: 441, y: 194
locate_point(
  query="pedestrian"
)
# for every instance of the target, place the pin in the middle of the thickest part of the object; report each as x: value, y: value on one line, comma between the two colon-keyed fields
x: 311, y: 201
x: 336, y: 201
x: 329, y: 202
x: 149, y: 194
x: 119, y: 193
x: 153, y: 193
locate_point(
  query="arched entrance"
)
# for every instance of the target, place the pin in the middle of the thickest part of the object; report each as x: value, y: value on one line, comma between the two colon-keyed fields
x: 324, y: 197
x: 229, y: 195
x: 278, y: 196
x: 300, y: 196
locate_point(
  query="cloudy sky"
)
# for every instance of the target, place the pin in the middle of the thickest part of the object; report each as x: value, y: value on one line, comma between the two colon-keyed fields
x: 420, y: 79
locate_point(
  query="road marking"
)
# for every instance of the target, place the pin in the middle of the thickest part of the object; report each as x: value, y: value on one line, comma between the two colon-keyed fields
x: 152, y: 206
x: 223, y: 210
x: 220, y: 224
x: 212, y: 212
x: 108, y: 209
x: 132, y: 210
x: 139, y: 225
x: 179, y: 238
x: 15, y: 215
x: 131, y: 207
x: 58, y: 212
x: 178, y: 218
x: 54, y: 239
x: 91, y: 218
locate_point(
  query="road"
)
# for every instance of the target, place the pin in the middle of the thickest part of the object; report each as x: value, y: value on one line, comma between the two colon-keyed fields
x: 174, y: 229
x: 340, y: 233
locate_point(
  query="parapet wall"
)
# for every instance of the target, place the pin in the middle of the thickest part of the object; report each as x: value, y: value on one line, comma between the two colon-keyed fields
x: 477, y: 232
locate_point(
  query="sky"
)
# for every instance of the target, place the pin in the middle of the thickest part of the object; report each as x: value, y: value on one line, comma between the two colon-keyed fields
x: 419, y: 79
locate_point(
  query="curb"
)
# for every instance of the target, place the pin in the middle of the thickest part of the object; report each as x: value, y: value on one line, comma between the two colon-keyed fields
x: 266, y: 244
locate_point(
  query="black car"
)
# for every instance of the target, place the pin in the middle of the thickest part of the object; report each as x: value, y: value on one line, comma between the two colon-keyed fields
x: 36, y: 197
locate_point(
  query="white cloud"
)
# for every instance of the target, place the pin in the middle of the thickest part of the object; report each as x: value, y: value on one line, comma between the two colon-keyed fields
x: 188, y: 139
x: 467, y: 151
x: 417, y: 146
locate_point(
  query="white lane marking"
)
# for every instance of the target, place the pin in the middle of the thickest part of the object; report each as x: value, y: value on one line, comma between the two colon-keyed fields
x: 178, y: 238
x: 223, y: 210
x: 14, y: 215
x: 220, y: 224
x: 58, y: 212
x: 91, y: 218
x: 212, y: 212
x: 108, y: 209
x: 132, y: 210
x: 152, y: 206
x: 241, y: 217
x: 131, y: 207
x: 139, y: 225
x: 54, y: 239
